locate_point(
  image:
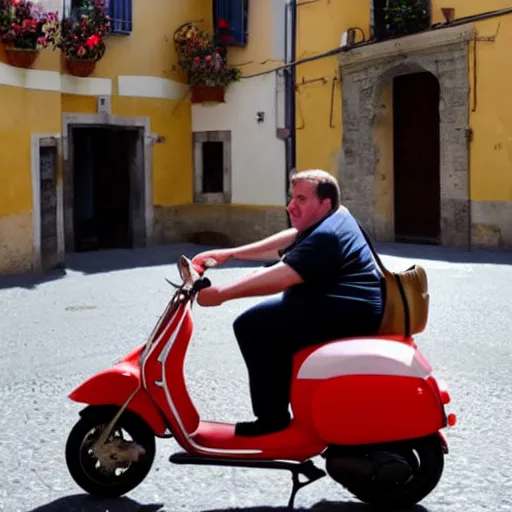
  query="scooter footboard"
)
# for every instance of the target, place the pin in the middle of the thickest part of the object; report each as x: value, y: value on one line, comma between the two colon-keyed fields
x: 114, y: 387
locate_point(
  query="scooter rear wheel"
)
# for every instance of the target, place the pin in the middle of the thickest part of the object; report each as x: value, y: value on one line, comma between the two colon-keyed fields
x: 426, y: 456
x: 103, y: 480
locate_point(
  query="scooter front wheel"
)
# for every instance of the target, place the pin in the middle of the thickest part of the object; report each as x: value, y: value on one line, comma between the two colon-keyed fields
x: 116, y: 467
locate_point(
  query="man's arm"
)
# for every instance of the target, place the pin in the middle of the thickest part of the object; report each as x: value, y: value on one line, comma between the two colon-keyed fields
x: 265, y: 249
x: 266, y: 281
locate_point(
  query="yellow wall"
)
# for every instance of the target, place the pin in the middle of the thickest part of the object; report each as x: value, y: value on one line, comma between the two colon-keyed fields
x: 25, y: 110
x: 320, y: 26
x: 491, y: 149
x: 318, y: 143
x: 259, y: 54
x: 147, y: 51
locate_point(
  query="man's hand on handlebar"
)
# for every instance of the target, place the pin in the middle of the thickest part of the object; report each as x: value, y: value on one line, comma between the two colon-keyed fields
x: 219, y: 255
x: 210, y: 296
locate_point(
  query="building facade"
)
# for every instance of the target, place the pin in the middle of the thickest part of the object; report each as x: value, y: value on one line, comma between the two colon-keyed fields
x: 120, y: 158
x: 416, y: 125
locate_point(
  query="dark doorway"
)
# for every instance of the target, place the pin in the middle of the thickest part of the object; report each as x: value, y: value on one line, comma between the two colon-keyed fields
x: 107, y: 196
x: 417, y: 158
x: 213, y: 167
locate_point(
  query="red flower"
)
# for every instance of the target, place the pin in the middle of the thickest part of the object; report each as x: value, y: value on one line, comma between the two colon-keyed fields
x: 197, y: 60
x: 208, y: 58
x: 222, y: 23
x: 92, y: 41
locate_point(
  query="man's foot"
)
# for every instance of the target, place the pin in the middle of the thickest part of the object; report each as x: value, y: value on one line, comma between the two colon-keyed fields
x: 261, y: 427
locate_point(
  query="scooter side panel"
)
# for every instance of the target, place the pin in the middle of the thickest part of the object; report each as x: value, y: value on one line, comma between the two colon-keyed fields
x: 369, y: 409
x: 113, y: 387
x: 164, y: 376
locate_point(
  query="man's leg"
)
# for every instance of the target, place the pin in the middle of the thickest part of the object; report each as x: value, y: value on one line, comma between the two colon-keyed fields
x: 262, y: 333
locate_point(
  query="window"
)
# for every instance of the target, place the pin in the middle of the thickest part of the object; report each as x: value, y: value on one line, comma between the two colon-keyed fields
x: 230, y: 21
x: 407, y: 17
x: 120, y: 12
x: 379, y: 20
x: 212, y: 167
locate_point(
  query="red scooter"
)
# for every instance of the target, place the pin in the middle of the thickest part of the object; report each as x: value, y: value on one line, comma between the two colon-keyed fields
x: 370, y: 407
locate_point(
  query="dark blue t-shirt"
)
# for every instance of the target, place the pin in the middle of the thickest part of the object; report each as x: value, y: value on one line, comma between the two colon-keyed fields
x: 336, y: 264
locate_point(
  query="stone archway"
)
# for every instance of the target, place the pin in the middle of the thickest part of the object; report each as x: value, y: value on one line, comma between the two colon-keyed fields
x: 366, y: 72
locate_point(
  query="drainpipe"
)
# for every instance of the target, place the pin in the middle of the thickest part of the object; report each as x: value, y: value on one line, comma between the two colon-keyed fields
x: 290, y: 81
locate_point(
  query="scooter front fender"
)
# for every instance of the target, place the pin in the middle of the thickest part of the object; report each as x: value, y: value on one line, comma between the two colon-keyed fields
x: 113, y: 387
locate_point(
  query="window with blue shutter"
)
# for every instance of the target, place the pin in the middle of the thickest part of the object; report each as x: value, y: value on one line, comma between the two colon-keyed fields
x: 230, y: 21
x: 120, y: 12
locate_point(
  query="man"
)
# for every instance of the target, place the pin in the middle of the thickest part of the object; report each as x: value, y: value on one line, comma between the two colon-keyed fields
x: 332, y: 289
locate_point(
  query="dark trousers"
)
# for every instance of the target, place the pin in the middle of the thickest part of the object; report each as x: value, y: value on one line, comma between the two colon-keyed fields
x: 270, y: 333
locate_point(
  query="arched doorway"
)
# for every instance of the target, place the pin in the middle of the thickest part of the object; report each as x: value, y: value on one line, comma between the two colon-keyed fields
x: 367, y: 171
x: 417, y: 188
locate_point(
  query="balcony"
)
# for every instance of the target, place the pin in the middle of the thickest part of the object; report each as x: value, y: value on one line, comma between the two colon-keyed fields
x: 395, y: 18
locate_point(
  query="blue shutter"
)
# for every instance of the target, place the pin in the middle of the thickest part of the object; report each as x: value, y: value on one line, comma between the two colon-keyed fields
x: 121, y: 13
x: 235, y: 13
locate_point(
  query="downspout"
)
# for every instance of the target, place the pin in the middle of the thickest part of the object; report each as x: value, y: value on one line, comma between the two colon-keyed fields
x: 290, y: 80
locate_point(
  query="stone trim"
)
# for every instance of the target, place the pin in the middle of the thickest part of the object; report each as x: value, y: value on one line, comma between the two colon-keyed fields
x: 406, y: 46
x: 103, y: 119
x: 223, y: 136
x: 45, y: 140
x: 366, y: 71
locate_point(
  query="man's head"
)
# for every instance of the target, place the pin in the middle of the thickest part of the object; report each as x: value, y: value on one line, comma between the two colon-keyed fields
x: 315, y: 193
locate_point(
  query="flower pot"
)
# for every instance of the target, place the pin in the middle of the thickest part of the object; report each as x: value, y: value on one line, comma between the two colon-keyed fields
x: 21, y: 57
x: 448, y: 13
x: 203, y: 94
x: 80, y: 67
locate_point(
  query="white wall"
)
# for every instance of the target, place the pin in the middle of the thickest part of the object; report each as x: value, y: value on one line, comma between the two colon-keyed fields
x: 258, y: 156
x: 52, y: 5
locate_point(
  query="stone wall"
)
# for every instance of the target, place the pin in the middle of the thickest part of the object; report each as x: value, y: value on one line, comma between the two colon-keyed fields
x: 219, y: 225
x: 491, y: 224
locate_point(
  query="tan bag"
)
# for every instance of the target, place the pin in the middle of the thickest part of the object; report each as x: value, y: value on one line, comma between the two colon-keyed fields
x: 407, y: 300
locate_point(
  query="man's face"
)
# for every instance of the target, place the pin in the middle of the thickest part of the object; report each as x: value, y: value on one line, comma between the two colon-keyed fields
x: 305, y: 208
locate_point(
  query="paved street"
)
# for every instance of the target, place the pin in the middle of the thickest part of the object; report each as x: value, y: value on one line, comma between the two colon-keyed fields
x: 56, y: 331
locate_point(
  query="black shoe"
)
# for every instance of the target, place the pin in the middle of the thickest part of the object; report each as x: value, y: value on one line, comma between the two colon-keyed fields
x: 261, y: 427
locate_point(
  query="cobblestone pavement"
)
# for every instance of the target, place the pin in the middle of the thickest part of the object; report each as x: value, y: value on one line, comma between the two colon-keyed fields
x: 56, y: 331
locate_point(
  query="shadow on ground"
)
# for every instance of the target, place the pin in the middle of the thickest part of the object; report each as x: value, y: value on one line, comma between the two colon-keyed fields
x: 167, y: 255
x: 110, y: 261
x: 324, y: 506
x: 432, y: 252
x: 85, y: 503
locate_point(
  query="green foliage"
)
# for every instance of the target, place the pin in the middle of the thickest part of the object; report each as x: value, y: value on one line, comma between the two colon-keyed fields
x: 406, y: 17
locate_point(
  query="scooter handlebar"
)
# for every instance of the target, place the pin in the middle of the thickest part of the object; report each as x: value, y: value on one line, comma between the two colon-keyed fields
x: 209, y: 263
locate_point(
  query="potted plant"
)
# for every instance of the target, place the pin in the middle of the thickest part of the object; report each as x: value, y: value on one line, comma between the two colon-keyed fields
x: 24, y: 30
x: 205, y: 61
x: 80, y: 37
x: 406, y: 17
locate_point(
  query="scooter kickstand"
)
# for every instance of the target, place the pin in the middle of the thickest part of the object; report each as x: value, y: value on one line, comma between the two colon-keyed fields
x: 311, y: 472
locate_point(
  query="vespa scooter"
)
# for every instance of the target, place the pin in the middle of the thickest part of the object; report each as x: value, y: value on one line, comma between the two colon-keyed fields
x: 370, y: 406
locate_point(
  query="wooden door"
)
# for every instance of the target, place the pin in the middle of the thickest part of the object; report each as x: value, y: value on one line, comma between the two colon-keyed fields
x: 417, y: 158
